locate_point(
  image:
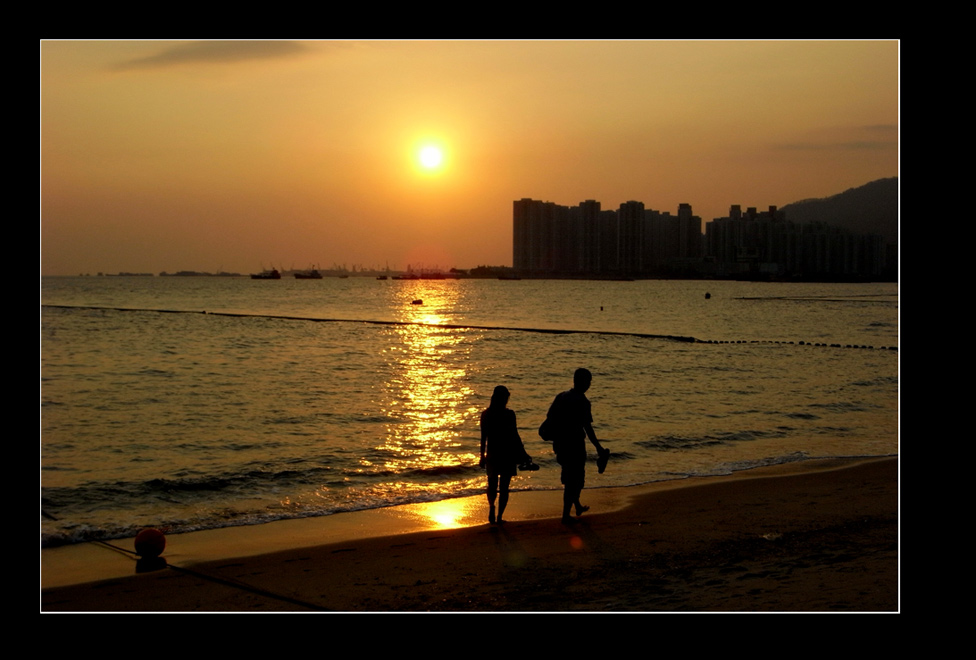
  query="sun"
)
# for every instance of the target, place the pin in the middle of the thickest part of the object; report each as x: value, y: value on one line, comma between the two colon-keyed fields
x: 431, y: 157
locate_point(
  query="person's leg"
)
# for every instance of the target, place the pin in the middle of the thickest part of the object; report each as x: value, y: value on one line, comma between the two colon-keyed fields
x: 568, y: 499
x: 566, y: 478
x: 580, y: 479
x: 580, y: 508
x: 573, y: 480
x: 492, y: 492
x: 505, y: 480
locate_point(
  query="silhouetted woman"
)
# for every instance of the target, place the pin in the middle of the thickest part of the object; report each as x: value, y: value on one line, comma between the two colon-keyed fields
x: 501, y: 450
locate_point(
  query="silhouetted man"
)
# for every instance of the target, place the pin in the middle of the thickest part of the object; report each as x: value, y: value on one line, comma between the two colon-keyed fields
x: 572, y: 423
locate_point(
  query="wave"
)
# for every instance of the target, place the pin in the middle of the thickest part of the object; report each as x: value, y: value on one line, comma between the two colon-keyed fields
x: 373, y: 499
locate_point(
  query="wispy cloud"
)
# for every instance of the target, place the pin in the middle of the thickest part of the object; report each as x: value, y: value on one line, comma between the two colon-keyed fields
x: 214, y: 52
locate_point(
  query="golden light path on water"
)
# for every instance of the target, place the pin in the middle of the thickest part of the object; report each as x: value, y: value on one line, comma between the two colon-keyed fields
x: 423, y: 394
x: 427, y: 397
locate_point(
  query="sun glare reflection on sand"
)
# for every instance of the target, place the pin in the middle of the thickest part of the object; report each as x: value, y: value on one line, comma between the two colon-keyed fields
x: 446, y: 514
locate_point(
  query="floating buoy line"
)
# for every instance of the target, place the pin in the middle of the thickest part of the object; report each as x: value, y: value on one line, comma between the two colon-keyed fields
x: 468, y: 326
x: 795, y: 343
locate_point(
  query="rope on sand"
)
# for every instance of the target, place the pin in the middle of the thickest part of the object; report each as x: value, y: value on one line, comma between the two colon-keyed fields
x: 158, y: 563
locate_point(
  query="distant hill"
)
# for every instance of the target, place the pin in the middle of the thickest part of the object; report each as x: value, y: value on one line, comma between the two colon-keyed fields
x: 868, y: 209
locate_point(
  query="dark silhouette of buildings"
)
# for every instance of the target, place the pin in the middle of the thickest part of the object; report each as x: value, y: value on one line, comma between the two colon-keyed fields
x: 550, y: 240
x: 764, y: 244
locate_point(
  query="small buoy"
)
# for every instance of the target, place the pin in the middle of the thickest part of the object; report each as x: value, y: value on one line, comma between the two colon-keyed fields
x: 150, y: 543
x: 418, y: 301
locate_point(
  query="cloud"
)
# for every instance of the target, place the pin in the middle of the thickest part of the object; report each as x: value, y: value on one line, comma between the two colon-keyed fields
x: 214, y: 52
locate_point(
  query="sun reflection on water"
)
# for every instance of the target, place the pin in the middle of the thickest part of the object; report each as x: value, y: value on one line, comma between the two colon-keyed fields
x: 427, y: 395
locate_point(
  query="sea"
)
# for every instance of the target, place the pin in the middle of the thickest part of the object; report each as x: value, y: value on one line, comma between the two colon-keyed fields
x: 191, y: 403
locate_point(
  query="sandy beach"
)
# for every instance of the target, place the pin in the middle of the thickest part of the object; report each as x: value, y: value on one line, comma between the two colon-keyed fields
x: 815, y: 536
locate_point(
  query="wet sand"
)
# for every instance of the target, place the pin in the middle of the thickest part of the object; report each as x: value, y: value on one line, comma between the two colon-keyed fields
x: 815, y: 536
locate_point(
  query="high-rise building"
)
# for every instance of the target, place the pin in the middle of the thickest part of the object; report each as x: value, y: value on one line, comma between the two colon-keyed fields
x: 630, y: 238
x: 553, y: 240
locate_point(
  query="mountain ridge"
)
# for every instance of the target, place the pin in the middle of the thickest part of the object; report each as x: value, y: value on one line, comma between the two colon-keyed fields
x: 868, y: 209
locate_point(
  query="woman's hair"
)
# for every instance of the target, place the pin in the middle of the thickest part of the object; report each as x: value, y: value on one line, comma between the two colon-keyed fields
x: 499, y: 397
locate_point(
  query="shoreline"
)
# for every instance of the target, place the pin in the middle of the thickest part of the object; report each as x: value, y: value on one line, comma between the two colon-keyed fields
x: 818, y: 535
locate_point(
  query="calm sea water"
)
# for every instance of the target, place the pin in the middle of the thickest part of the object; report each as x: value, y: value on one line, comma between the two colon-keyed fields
x: 299, y: 398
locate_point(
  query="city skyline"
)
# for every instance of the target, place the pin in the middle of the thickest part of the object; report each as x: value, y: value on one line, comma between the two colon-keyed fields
x: 633, y: 241
x: 240, y: 155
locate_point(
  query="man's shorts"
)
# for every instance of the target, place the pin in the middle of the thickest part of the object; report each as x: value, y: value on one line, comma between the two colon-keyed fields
x: 574, y: 470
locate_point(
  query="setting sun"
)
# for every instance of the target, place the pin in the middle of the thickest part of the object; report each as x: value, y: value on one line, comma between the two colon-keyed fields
x: 431, y: 157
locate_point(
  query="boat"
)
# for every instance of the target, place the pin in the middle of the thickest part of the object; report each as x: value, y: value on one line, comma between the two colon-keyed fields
x: 272, y: 274
x: 311, y: 274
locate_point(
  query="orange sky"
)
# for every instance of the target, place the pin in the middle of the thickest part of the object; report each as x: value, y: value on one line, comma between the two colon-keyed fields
x: 242, y: 155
